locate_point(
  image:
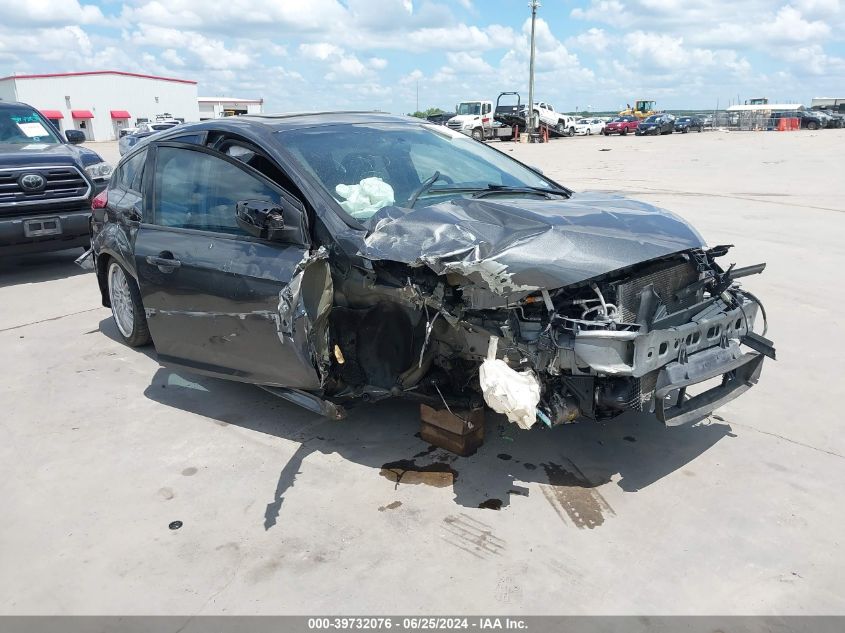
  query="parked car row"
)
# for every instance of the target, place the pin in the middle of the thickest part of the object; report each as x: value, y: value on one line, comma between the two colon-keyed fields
x: 144, y: 130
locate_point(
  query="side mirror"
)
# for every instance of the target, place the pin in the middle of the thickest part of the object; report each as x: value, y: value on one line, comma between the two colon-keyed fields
x: 260, y: 218
x: 275, y: 221
x: 75, y: 137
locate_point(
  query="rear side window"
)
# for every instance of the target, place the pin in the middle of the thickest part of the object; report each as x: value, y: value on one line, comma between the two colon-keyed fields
x: 196, y: 190
x: 130, y: 173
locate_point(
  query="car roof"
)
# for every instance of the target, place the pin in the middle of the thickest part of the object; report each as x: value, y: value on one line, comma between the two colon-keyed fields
x: 291, y: 120
x: 7, y: 105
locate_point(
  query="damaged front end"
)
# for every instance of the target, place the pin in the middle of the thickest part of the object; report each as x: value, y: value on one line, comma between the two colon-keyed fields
x: 639, y: 338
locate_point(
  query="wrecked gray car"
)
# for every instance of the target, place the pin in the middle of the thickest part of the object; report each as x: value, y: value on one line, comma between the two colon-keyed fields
x: 336, y: 258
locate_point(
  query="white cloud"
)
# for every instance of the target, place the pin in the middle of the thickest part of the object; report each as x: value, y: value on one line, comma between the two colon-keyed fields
x: 208, y: 53
x: 790, y: 26
x: 594, y: 39
x: 377, y: 63
x: 599, y: 11
x: 171, y: 56
x: 812, y: 59
x: 464, y: 63
x: 49, y: 13
x: 320, y: 50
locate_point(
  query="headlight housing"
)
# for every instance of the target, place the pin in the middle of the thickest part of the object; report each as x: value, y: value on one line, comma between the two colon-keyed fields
x: 99, y: 171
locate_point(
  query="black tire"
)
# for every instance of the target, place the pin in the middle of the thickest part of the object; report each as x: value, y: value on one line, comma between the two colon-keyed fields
x: 131, y: 321
x: 560, y: 128
x: 478, y: 134
x: 812, y: 125
x: 624, y: 131
x: 571, y: 131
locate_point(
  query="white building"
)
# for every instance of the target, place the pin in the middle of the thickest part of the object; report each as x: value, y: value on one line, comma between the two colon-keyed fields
x: 100, y: 103
x: 218, y: 107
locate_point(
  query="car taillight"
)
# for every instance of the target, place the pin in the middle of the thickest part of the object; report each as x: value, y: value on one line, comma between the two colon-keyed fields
x: 100, y: 200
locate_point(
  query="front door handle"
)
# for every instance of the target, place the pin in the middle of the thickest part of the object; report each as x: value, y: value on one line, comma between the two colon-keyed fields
x: 165, y: 262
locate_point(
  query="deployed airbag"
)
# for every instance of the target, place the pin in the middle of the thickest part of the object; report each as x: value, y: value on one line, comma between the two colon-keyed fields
x: 513, y: 393
x: 361, y: 201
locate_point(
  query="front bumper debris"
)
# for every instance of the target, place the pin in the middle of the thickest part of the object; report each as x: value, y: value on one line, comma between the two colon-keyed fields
x: 739, y: 373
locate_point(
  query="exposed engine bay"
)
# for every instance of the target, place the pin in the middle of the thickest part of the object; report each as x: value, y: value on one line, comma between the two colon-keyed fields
x: 631, y: 339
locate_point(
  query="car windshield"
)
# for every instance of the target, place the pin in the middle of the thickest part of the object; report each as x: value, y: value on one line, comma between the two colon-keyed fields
x: 619, y: 119
x: 684, y: 119
x: 24, y: 126
x: 583, y: 122
x: 469, y: 108
x: 372, y: 165
x: 655, y: 118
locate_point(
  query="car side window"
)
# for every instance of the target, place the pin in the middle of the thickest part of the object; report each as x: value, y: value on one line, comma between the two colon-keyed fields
x: 195, y: 139
x: 130, y: 171
x: 197, y: 190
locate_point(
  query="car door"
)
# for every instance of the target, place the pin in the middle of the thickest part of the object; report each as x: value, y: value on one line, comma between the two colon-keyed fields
x: 217, y: 298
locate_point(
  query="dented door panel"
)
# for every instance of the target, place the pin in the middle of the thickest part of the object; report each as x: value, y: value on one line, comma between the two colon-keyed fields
x: 219, y: 311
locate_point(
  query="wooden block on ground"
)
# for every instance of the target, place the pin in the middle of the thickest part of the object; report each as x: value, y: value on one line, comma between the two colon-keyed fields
x: 460, y: 432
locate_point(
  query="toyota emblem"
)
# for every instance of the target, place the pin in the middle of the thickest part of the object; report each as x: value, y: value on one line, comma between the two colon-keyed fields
x: 32, y: 182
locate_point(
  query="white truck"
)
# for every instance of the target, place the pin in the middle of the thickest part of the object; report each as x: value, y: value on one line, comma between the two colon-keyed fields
x: 476, y: 119
x: 479, y: 119
x: 562, y: 124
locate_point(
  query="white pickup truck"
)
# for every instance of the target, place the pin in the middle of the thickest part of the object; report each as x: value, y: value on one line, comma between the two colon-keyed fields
x: 562, y: 124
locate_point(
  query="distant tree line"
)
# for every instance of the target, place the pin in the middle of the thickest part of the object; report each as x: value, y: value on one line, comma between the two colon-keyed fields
x: 426, y: 113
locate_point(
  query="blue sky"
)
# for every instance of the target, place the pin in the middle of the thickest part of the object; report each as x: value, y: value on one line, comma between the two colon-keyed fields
x: 328, y: 54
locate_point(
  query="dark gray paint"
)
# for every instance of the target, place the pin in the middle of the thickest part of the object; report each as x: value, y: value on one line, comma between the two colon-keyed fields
x: 543, y: 243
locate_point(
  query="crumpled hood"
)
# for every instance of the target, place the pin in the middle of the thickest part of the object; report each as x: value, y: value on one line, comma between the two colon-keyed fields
x: 522, y: 244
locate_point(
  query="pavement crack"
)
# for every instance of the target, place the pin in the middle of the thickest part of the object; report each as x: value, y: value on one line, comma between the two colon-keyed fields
x: 56, y: 318
x: 790, y: 440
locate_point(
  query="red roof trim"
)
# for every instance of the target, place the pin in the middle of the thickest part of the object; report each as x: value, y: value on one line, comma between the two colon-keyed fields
x: 52, y: 114
x: 120, y: 114
x: 100, y: 72
x: 81, y: 114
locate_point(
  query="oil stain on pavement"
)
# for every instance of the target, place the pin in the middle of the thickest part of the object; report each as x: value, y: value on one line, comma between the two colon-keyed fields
x: 574, y: 497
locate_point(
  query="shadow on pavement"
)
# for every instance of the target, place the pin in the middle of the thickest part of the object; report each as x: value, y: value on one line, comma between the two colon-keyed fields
x: 25, y: 269
x: 569, y: 462
x: 108, y: 328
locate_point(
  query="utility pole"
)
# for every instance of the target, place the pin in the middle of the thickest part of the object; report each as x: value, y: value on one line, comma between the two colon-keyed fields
x: 418, y: 95
x: 534, y: 4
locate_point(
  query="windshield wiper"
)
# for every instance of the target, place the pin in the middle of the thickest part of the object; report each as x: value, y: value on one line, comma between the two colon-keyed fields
x: 493, y: 190
x: 481, y: 192
x: 425, y: 186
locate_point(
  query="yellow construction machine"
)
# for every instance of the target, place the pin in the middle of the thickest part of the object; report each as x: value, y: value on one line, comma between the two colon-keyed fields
x: 641, y: 109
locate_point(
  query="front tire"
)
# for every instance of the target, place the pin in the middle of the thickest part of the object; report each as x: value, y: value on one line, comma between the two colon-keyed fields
x: 478, y: 134
x: 126, y: 307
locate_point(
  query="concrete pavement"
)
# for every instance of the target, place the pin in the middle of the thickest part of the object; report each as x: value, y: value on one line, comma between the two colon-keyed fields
x: 283, y: 512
